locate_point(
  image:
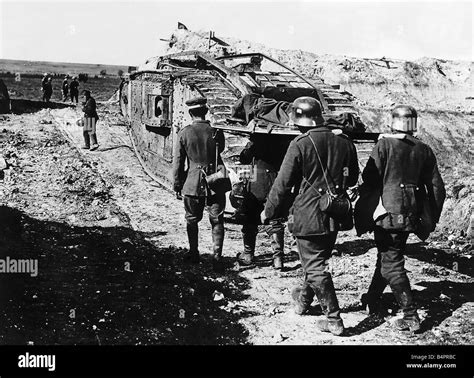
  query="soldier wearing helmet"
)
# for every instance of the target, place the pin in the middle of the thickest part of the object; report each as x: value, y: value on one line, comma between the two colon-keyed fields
x: 74, y: 90
x: 65, y: 88
x: 316, y: 161
x: 44, y: 80
x: 402, y: 172
x: 47, y: 89
x: 44, y: 84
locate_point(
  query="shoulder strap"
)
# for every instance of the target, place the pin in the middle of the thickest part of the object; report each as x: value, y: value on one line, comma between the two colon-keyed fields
x: 320, y: 162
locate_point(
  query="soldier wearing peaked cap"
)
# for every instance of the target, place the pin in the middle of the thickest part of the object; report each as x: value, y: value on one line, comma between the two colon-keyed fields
x: 200, y: 145
x: 319, y: 162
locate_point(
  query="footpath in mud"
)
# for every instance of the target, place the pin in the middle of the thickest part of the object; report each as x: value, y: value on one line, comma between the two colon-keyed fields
x: 109, y: 243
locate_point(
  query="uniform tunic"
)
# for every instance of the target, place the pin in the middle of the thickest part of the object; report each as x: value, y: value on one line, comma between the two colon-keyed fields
x: 197, y: 145
x: 338, y: 156
x: 405, y: 173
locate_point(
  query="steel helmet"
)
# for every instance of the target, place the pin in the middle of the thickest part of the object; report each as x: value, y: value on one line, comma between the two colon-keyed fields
x: 404, y: 118
x: 306, y: 112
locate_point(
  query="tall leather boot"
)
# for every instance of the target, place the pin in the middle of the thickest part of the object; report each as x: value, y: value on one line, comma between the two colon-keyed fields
x: 303, y: 297
x: 193, y: 233
x: 218, y: 242
x: 373, y: 296
x: 246, y: 257
x: 326, y: 295
x: 278, y: 243
x: 404, y: 297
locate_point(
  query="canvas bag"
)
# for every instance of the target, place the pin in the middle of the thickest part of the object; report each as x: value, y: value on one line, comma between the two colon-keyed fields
x: 337, y: 205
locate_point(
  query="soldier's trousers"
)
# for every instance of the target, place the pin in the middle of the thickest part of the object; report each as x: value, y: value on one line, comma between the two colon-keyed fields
x: 390, y: 264
x: 315, y: 252
x: 89, y: 137
x: 74, y: 96
x: 250, y: 231
x: 194, y: 207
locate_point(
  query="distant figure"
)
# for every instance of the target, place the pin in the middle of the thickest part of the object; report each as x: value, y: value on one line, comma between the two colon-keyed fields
x: 90, y: 121
x: 48, y: 90
x: 65, y: 88
x: 44, y: 80
x: 74, y: 90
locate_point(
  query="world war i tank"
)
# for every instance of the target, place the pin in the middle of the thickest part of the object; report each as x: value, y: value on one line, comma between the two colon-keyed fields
x: 246, y: 93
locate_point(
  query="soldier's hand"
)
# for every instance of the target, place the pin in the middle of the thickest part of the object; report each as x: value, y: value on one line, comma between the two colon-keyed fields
x: 263, y: 217
x: 178, y: 195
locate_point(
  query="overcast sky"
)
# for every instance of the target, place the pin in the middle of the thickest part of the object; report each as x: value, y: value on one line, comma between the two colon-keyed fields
x: 128, y: 32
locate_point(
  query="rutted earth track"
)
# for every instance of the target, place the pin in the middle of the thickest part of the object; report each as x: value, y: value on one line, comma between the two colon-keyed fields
x: 129, y: 219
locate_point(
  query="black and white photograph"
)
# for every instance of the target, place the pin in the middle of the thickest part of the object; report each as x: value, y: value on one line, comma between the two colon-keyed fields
x: 255, y: 175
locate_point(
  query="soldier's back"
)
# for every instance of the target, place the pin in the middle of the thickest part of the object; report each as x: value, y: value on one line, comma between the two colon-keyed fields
x: 404, y: 159
x: 198, y: 141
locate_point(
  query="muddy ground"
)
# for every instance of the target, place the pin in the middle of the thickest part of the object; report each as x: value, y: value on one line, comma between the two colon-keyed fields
x: 110, y: 243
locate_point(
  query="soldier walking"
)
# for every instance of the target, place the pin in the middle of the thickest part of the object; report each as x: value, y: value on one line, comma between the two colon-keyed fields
x: 74, y: 90
x: 317, y: 162
x: 200, y: 145
x: 266, y: 154
x: 47, y: 90
x: 90, y: 121
x: 44, y: 82
x: 65, y: 88
x: 405, y: 173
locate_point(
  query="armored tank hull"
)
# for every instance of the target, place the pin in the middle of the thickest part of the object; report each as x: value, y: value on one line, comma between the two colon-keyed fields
x: 152, y: 102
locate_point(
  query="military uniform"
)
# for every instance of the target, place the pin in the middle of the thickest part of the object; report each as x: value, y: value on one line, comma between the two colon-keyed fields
x: 404, y: 171
x: 74, y: 90
x: 90, y: 121
x: 65, y: 88
x: 197, y: 144
x: 44, y: 82
x: 47, y: 90
x: 265, y: 153
x: 314, y: 230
